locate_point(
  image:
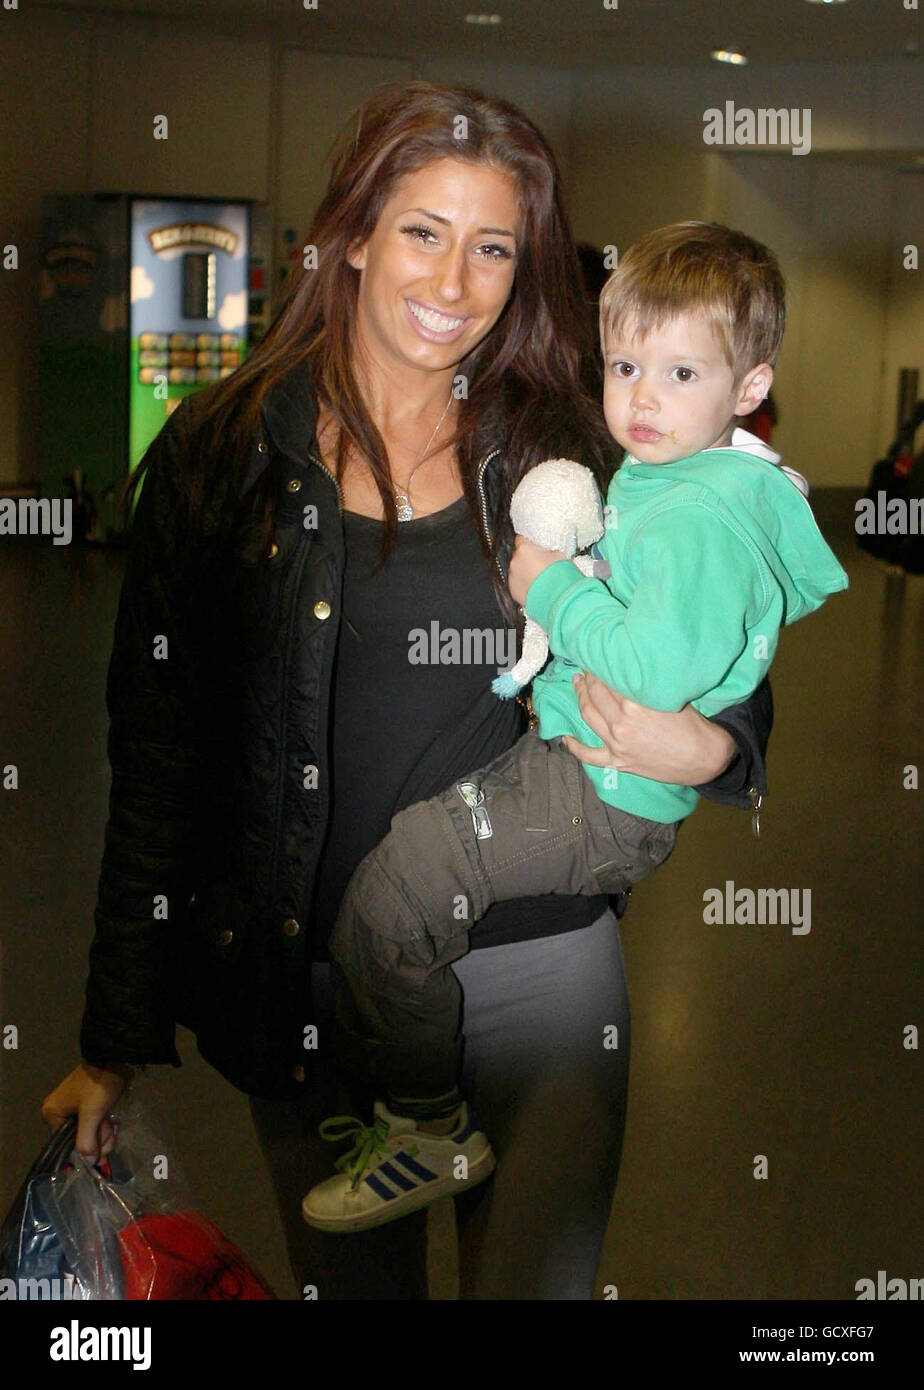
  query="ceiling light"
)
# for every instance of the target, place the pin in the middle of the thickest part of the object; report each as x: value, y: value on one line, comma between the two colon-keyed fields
x: 827, y: 2
x: 482, y: 19
x: 729, y: 55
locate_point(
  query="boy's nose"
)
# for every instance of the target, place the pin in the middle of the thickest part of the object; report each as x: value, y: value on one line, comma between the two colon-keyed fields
x: 643, y: 397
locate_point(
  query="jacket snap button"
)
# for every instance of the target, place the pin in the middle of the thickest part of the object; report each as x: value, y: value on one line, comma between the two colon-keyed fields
x: 298, y: 1073
x: 291, y: 927
x: 576, y: 820
x: 322, y: 609
x: 261, y: 447
x: 273, y: 550
x: 225, y: 937
x: 294, y: 484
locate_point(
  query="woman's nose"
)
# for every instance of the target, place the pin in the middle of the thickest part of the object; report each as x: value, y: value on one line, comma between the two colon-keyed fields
x: 449, y: 279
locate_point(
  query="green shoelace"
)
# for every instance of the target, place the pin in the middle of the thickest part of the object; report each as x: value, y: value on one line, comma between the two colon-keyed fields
x: 368, y: 1141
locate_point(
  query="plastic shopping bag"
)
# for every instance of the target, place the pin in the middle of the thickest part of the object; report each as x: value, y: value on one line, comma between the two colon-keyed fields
x: 126, y: 1228
x: 32, y: 1260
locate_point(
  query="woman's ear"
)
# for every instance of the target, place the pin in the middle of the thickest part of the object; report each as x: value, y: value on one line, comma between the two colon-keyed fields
x: 356, y: 256
x: 754, y: 388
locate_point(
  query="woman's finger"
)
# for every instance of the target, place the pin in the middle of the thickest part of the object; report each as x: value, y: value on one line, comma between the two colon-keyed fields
x: 88, y: 1129
x: 600, y: 709
x: 596, y: 757
x: 107, y: 1137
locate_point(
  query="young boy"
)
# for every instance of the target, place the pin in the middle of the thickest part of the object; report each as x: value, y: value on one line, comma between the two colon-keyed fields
x: 709, y: 548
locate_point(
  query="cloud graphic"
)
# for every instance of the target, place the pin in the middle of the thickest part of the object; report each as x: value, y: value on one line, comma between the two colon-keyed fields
x: 233, y: 312
x: 142, y: 284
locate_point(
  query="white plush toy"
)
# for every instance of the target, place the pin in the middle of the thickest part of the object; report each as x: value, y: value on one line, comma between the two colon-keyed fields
x: 557, y: 505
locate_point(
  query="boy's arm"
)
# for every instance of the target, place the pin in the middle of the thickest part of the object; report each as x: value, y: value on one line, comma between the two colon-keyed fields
x: 685, y: 624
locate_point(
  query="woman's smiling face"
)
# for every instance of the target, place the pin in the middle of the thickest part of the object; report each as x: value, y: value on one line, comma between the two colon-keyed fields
x: 438, y: 269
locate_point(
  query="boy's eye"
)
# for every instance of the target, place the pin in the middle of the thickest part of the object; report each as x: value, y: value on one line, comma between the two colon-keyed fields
x: 623, y: 369
x: 684, y: 373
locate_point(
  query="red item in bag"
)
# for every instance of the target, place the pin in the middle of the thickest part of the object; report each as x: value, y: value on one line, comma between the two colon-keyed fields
x: 181, y: 1255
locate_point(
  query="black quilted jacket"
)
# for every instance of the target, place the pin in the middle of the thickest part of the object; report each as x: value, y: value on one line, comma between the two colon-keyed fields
x: 217, y: 695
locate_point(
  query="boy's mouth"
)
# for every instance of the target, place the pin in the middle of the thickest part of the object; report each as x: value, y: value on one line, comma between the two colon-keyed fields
x: 644, y: 434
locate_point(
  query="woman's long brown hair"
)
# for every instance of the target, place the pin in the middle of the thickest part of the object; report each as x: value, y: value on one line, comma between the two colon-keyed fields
x: 528, y: 366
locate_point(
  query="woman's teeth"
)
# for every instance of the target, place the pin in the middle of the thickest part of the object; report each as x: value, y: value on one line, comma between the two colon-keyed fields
x: 437, y: 323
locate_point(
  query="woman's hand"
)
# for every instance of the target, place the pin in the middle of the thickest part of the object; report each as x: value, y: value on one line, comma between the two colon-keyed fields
x: 89, y: 1093
x: 678, y: 747
x: 526, y: 563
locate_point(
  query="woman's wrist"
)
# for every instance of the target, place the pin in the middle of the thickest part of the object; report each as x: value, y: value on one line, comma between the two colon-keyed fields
x: 717, y: 751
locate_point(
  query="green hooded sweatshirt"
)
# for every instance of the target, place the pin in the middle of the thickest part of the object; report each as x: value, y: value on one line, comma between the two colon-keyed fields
x: 709, y: 556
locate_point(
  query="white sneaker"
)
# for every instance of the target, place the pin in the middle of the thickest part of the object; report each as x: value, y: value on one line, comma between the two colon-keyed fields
x: 395, y: 1168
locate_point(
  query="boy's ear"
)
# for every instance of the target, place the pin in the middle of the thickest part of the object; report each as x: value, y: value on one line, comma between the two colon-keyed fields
x: 755, y: 386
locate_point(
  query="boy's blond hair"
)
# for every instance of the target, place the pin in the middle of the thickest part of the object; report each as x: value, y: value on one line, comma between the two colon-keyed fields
x: 732, y: 279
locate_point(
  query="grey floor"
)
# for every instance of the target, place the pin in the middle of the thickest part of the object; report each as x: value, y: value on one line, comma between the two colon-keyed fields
x: 747, y: 1040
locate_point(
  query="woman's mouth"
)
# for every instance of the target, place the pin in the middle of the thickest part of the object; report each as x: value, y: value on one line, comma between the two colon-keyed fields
x: 434, y: 325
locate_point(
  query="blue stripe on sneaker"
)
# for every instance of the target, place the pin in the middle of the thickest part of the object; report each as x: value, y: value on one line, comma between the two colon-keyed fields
x: 399, y: 1179
x: 379, y: 1188
x: 417, y: 1169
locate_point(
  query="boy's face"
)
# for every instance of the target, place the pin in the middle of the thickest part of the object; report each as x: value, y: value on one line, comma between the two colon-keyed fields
x: 672, y: 393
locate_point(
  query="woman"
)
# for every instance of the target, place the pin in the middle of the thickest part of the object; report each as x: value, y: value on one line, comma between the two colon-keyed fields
x: 348, y: 486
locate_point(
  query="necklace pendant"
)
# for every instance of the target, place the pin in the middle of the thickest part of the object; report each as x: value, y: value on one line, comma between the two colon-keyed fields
x: 405, y: 510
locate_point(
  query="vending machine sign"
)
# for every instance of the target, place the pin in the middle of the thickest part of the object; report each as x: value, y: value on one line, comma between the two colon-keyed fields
x: 189, y: 305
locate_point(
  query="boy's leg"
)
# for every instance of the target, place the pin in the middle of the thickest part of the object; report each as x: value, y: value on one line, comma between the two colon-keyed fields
x: 529, y: 823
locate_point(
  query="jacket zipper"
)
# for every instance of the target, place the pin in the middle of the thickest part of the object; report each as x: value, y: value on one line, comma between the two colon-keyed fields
x: 324, y: 469
x: 484, y: 507
x: 756, y: 799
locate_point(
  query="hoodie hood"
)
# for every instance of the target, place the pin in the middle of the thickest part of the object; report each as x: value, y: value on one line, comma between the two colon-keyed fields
x: 750, y: 444
x: 746, y: 480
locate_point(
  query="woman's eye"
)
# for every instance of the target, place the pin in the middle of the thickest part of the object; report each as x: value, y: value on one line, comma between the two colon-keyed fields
x: 496, y: 252
x: 421, y: 234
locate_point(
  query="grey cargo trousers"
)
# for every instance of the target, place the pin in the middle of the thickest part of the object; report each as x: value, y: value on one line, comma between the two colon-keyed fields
x: 529, y: 823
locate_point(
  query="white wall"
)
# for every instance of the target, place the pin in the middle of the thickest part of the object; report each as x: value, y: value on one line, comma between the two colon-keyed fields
x: 837, y: 224
x: 904, y: 329
x: 255, y: 118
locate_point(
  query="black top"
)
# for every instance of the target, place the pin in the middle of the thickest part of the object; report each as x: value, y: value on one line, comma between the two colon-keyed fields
x: 420, y: 641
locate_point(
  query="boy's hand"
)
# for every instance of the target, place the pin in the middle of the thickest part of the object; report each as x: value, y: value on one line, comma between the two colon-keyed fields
x: 526, y: 564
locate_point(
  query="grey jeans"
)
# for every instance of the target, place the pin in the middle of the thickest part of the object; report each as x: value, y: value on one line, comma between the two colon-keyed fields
x: 549, y: 1094
x: 529, y: 823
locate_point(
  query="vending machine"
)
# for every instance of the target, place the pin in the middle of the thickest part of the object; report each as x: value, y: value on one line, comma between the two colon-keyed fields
x: 142, y: 301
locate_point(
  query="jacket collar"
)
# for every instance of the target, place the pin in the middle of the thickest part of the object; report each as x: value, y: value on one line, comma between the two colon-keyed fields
x: 290, y: 414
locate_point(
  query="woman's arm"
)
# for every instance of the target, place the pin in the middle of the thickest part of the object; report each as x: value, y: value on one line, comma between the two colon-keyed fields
x: 156, y: 760
x: 722, y: 757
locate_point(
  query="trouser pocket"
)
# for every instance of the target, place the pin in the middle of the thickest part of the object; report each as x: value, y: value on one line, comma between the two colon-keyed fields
x: 628, y: 848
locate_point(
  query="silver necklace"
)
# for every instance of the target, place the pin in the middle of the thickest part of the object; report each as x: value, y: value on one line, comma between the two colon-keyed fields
x: 402, y: 501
